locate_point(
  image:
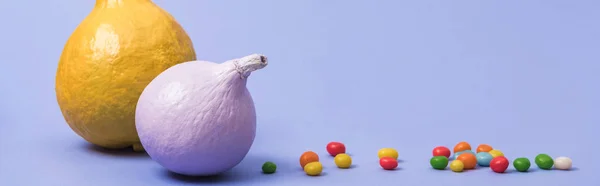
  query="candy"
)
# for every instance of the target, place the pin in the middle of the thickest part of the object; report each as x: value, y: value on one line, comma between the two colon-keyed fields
x: 457, y: 166
x: 522, y: 164
x: 388, y: 163
x: 308, y: 157
x: 439, y: 162
x: 484, y: 159
x: 484, y: 148
x: 543, y: 161
x: 469, y: 160
x: 496, y: 153
x: 335, y: 148
x: 342, y: 161
x: 462, y: 146
x: 441, y: 151
x: 563, y: 163
x: 269, y: 167
x: 499, y: 164
x: 387, y: 152
x: 313, y: 168
x: 462, y: 152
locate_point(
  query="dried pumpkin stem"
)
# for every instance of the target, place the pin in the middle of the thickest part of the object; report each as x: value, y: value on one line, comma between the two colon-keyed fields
x: 250, y: 63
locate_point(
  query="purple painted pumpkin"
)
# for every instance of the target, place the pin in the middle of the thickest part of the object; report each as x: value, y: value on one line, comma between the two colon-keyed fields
x: 197, y: 118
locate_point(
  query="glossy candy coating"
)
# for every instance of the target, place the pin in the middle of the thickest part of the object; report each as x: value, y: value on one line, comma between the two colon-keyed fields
x: 343, y: 161
x: 522, y: 164
x: 469, y: 160
x: 484, y: 159
x: 439, y: 162
x: 387, y: 152
x: 462, y: 146
x: 484, y: 148
x: 457, y: 166
x: 544, y: 161
x: 388, y: 163
x: 313, y: 168
x: 499, y: 164
x: 496, y: 153
x: 563, y: 163
x: 441, y: 151
x: 269, y: 167
x: 308, y: 157
x: 335, y: 148
x: 462, y: 152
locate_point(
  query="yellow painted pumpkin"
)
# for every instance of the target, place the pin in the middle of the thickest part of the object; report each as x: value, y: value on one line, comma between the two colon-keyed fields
x: 108, y: 61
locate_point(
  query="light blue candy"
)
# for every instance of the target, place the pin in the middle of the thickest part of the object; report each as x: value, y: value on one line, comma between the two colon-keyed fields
x: 461, y: 152
x: 484, y: 159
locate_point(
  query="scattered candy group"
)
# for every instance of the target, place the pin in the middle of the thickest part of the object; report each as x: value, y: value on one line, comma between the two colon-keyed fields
x: 486, y: 156
x: 463, y: 159
x: 310, y: 161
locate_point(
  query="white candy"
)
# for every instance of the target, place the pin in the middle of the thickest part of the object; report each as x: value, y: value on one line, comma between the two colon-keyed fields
x: 563, y: 163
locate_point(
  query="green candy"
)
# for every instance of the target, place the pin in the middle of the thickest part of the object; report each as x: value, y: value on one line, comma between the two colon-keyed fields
x: 543, y: 161
x: 269, y: 167
x: 522, y: 164
x: 439, y: 162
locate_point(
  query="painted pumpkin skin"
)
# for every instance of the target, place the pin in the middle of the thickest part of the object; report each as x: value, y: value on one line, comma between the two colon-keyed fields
x: 108, y: 61
x: 198, y: 118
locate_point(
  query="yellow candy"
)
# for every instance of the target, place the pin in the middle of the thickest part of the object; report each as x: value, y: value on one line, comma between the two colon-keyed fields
x: 387, y: 152
x: 496, y: 153
x: 313, y: 168
x: 343, y: 161
x: 457, y: 166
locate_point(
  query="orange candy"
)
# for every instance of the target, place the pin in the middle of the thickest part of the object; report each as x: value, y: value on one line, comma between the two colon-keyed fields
x: 308, y: 157
x: 468, y: 159
x: 484, y: 148
x: 462, y: 146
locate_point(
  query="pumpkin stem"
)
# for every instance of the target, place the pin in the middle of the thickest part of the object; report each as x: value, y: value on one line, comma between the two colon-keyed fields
x: 250, y: 63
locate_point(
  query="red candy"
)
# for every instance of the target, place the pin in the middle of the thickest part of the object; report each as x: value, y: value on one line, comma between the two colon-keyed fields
x: 335, y: 148
x: 388, y: 163
x: 499, y: 164
x: 441, y: 151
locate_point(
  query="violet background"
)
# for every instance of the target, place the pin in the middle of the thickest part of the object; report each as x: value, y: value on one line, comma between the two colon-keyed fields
x: 522, y: 76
